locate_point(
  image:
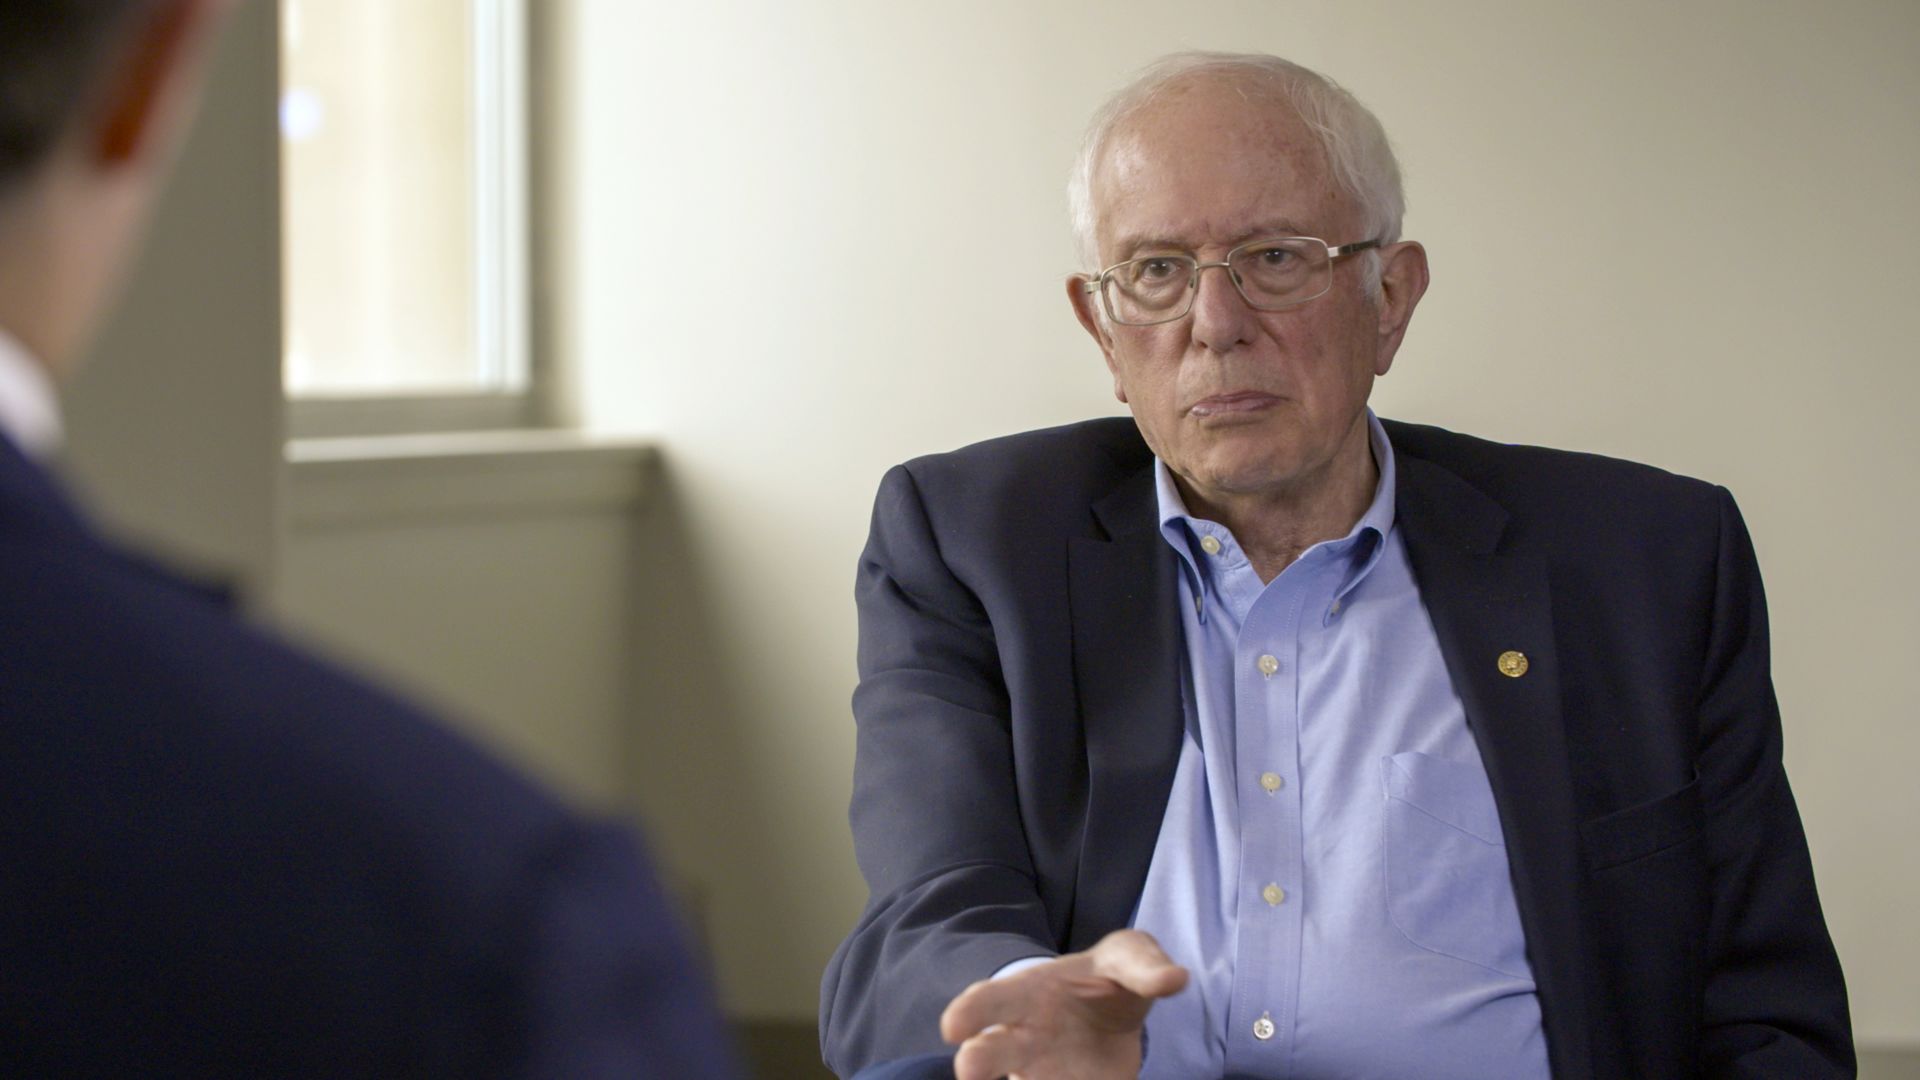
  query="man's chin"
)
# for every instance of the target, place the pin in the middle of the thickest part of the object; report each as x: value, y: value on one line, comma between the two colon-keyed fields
x: 1244, y: 479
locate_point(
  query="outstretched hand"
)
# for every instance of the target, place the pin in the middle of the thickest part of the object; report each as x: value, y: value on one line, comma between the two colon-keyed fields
x: 1078, y: 1017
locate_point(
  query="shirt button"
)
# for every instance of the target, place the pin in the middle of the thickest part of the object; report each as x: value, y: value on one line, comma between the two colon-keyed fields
x: 1269, y: 665
x: 1209, y: 545
x: 1273, y: 895
x: 1271, y: 781
x: 1263, y: 1027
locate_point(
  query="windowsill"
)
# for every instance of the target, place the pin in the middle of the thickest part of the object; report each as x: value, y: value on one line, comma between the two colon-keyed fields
x: 392, y: 413
x: 358, y: 481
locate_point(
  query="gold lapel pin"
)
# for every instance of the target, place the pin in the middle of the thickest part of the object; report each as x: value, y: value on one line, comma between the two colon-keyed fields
x: 1513, y: 664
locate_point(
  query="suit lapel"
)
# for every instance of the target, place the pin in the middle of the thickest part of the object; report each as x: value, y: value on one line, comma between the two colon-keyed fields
x: 1487, y: 603
x: 1126, y: 666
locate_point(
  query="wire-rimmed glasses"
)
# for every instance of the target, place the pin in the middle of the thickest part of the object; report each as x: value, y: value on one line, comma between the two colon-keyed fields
x: 1271, y: 275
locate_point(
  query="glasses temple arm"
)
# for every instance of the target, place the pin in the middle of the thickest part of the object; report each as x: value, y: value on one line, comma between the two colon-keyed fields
x: 1351, y: 249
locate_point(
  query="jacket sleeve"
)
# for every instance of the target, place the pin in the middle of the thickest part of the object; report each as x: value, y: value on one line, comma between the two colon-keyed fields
x: 1775, y: 1003
x: 935, y: 815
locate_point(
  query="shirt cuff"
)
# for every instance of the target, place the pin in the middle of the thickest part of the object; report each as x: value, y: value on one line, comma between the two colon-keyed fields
x: 1021, y: 965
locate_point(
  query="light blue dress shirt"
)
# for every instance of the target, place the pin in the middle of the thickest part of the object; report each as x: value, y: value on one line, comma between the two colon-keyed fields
x: 1330, y: 867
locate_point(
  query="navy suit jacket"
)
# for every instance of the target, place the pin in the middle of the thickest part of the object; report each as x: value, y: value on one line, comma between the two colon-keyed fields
x: 1019, y: 721
x: 220, y: 858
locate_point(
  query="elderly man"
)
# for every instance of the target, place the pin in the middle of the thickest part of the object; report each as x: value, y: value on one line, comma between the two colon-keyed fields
x: 1271, y: 739
x: 218, y: 857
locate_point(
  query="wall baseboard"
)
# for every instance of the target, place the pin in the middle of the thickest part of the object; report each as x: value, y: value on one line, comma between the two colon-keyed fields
x: 1890, y: 1062
x: 774, y: 1049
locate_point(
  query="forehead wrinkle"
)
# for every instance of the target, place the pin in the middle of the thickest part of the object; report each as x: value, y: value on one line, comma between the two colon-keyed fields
x: 1208, y: 198
x: 1127, y: 245
x: 1211, y: 136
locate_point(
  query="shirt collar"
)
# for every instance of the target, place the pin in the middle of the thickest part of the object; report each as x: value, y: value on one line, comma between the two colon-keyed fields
x: 1366, y: 539
x: 29, y: 409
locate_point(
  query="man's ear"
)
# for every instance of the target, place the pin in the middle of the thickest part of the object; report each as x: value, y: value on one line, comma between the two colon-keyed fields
x: 1086, y: 309
x: 149, y: 85
x: 1403, y: 281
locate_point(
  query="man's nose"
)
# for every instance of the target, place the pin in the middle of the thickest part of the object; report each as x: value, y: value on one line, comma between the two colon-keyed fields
x: 1222, y: 319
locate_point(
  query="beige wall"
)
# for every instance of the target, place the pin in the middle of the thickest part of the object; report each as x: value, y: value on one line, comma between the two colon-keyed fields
x: 1673, y: 232
x: 174, y: 421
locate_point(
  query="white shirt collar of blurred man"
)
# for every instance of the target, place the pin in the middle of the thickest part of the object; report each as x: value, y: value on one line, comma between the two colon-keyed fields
x: 29, y: 409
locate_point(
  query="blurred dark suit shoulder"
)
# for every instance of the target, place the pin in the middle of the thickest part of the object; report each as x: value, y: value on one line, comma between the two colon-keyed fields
x: 223, y: 858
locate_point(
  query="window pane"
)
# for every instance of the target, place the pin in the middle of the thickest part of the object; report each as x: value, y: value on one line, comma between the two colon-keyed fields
x: 382, y: 256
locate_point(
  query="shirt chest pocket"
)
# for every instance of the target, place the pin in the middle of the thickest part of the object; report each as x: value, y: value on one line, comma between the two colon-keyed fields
x: 1448, y: 886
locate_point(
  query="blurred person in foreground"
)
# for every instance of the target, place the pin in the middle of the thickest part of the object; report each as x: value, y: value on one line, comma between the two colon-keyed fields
x: 218, y: 857
x: 1257, y: 736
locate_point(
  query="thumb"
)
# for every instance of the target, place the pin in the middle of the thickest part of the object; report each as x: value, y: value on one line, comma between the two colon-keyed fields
x: 1136, y: 962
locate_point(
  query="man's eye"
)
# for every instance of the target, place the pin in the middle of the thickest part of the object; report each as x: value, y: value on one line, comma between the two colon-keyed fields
x: 1156, y: 269
x: 1274, y: 257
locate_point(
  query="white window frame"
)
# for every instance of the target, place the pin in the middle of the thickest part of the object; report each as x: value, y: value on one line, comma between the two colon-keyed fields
x: 501, y: 46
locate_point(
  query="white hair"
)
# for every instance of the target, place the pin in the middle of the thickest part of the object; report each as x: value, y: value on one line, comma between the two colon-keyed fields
x: 1355, y: 144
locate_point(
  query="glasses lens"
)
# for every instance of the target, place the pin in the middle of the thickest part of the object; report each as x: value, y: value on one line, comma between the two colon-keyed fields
x: 1149, y: 290
x: 1280, y: 273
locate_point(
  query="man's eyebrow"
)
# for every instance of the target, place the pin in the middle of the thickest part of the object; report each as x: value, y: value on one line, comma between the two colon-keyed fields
x: 1135, y: 247
x: 1132, y: 247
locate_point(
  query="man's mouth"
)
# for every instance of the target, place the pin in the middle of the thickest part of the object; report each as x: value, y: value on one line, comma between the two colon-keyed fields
x: 1237, y: 402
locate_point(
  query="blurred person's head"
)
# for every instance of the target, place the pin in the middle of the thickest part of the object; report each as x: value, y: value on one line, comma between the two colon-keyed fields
x: 95, y: 96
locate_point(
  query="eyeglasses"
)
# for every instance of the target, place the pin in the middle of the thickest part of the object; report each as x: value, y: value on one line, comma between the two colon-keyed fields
x: 1271, y: 275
